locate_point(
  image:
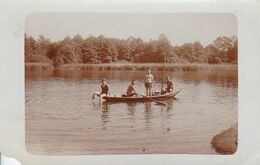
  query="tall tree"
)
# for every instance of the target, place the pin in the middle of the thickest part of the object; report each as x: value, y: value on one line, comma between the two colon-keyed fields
x: 232, y: 54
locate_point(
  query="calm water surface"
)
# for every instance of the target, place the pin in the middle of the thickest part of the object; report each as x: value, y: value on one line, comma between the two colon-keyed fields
x: 61, y: 118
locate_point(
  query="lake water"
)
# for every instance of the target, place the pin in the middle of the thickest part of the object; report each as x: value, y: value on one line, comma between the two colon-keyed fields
x: 61, y: 118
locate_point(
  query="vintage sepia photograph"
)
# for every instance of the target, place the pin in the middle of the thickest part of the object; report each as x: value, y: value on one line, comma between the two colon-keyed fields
x: 131, y: 83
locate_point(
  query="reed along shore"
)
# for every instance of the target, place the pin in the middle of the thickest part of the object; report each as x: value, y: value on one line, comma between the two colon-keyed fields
x: 134, y: 67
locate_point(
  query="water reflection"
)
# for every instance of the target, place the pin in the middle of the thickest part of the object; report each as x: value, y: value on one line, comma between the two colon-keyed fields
x: 148, y: 115
x: 169, y: 103
x: 131, y: 106
x: 136, y: 107
x: 104, y: 114
x: 55, y: 103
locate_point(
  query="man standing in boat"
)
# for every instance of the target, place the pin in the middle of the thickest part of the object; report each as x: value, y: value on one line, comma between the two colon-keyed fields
x: 105, y: 89
x: 170, y: 86
x: 130, y: 90
x: 148, y: 82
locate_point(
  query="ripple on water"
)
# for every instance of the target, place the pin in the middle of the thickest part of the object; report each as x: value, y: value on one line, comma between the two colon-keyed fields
x: 62, y: 119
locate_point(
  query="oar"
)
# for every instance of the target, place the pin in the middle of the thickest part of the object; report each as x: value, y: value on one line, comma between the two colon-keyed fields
x: 178, y: 91
x: 159, y: 102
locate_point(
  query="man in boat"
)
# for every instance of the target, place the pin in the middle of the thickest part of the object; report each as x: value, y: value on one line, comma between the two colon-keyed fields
x: 148, y: 82
x: 170, y: 86
x: 130, y: 90
x: 105, y: 89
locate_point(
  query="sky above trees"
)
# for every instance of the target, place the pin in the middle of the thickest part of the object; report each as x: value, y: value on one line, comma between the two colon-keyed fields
x: 180, y: 28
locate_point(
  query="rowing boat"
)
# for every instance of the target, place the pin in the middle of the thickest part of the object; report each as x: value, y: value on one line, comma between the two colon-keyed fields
x: 140, y: 98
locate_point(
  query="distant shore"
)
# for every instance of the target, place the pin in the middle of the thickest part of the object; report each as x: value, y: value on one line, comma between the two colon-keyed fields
x: 226, y: 141
x: 134, y: 66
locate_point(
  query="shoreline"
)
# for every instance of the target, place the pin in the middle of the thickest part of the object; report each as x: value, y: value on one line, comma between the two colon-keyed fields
x: 134, y: 67
x: 226, y: 142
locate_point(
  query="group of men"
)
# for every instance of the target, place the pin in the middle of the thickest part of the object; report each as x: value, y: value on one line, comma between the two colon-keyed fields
x: 131, y: 91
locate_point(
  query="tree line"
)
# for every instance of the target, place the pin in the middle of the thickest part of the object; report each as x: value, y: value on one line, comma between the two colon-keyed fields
x: 97, y: 50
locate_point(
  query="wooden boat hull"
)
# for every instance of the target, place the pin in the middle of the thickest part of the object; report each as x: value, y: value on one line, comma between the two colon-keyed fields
x: 140, y: 98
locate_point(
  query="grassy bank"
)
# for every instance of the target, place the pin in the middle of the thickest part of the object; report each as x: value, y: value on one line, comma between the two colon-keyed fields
x: 134, y: 66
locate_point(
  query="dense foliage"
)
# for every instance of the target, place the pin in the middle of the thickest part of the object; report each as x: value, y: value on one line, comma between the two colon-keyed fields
x: 107, y: 50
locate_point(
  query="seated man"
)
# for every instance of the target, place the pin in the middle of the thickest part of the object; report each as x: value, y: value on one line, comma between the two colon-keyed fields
x: 170, y: 86
x: 105, y: 89
x: 130, y: 90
